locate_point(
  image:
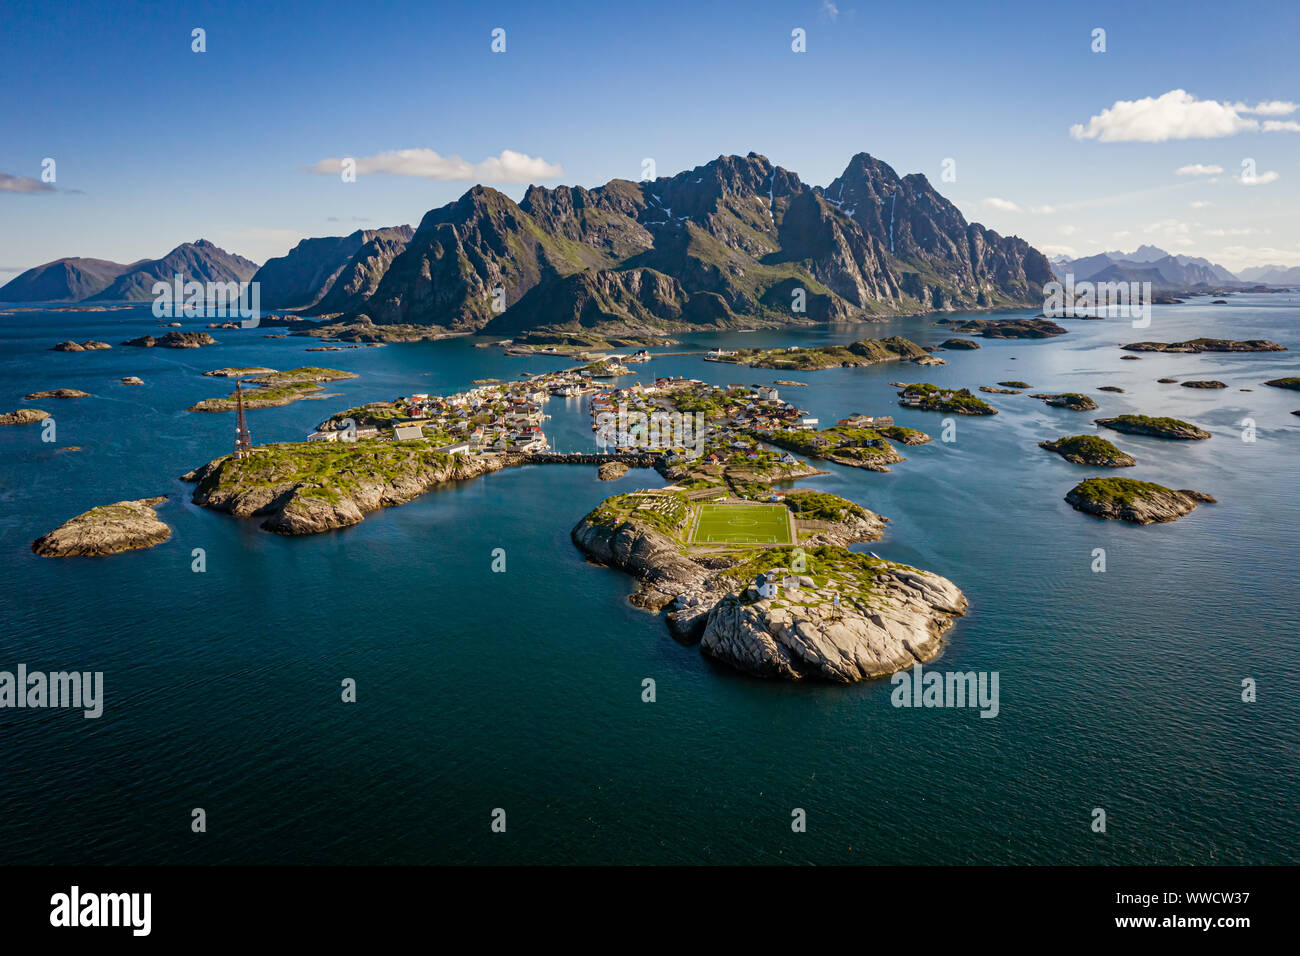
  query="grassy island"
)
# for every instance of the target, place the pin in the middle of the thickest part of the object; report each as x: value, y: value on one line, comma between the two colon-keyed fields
x: 844, y: 444
x: 864, y: 352
x: 932, y: 398
x: 1127, y: 499
x: 272, y: 389
x: 1089, y: 450
x: 1159, y: 427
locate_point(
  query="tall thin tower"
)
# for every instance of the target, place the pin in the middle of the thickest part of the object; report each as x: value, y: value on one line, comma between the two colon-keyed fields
x: 243, y: 441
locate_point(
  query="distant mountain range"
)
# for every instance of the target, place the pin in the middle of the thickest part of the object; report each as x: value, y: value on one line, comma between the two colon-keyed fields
x: 97, y: 280
x: 1272, y: 275
x: 1166, y: 271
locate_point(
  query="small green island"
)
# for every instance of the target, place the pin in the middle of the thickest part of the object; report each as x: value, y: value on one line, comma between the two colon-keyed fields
x: 271, y: 389
x: 1089, y: 450
x: 1292, y: 383
x: 1156, y: 427
x: 933, y: 398
x: 1192, y: 346
x: 863, y: 352
x: 1071, y: 400
x: 1037, y: 328
x: 844, y: 444
x: 1127, y: 499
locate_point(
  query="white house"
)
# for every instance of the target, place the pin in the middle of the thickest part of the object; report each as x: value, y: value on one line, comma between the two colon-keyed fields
x: 766, y: 586
x: 766, y: 393
x: 408, y: 431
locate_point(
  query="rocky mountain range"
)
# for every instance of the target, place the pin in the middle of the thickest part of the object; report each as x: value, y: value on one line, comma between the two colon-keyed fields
x: 735, y: 242
x: 98, y: 280
x: 336, y: 273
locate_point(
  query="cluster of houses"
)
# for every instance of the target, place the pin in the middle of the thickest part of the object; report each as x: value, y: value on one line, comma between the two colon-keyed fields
x: 487, y: 418
x: 914, y: 399
x: 867, y: 421
x: 748, y: 410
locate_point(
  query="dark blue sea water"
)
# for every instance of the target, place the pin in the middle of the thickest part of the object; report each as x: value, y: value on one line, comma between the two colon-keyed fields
x: 522, y: 690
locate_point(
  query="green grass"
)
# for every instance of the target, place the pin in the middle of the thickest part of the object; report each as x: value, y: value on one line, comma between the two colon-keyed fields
x: 1119, y: 491
x: 323, y: 470
x: 1091, y: 448
x: 821, y: 506
x: 742, y: 524
x: 307, y: 373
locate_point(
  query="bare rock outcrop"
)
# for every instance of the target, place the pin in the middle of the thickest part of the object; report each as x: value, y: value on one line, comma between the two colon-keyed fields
x: 109, y: 529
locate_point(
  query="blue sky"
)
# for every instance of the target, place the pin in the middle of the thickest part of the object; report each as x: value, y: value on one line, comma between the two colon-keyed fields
x: 155, y: 145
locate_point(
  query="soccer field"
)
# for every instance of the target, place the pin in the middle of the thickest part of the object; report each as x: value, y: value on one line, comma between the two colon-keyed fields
x: 742, y: 524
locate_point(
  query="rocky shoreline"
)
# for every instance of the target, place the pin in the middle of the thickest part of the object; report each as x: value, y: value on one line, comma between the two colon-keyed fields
x: 311, y: 488
x: 109, y: 529
x: 1173, y: 428
x: 1089, y: 450
x: 848, y: 617
x: 1139, y: 502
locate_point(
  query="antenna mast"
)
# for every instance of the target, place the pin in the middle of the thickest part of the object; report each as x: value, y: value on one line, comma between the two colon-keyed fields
x: 243, y: 441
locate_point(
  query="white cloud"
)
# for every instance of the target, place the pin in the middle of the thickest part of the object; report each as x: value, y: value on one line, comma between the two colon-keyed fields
x: 1229, y: 232
x: 1241, y: 257
x: 1281, y: 126
x: 830, y: 10
x: 1170, y: 232
x: 1269, y: 108
x: 1259, y: 179
x: 1177, y: 115
x: 1200, y: 204
x: 509, y: 167
x: 1004, y: 205
x: 1198, y: 169
x: 1069, y: 230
